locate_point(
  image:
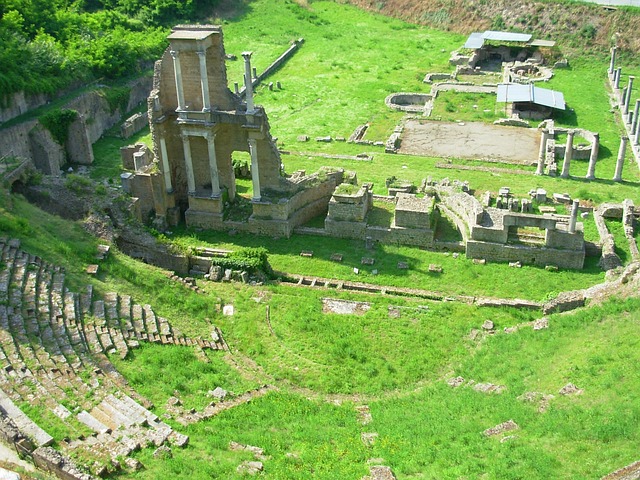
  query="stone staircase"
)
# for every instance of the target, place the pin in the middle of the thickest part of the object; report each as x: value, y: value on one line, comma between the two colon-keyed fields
x: 53, y: 346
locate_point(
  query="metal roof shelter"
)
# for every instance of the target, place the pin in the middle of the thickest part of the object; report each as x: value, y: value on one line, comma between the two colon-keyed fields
x: 514, y: 93
x: 477, y: 39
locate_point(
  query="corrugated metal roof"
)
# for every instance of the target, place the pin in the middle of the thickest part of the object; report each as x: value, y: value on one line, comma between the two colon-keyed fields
x: 506, y: 36
x: 514, y: 92
x: 542, y: 43
x: 474, y: 41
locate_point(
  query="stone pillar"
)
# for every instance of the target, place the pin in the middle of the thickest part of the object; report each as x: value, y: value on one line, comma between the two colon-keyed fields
x: 627, y: 99
x: 593, y: 158
x: 165, y: 166
x: 255, y: 174
x: 617, y: 177
x: 213, y: 165
x: 636, y: 117
x: 568, y: 154
x: 191, y: 181
x: 204, y: 82
x: 248, y: 83
x: 637, y: 133
x: 178, y: 74
x: 612, y: 65
x: 574, y: 216
x: 616, y: 84
x: 542, y: 155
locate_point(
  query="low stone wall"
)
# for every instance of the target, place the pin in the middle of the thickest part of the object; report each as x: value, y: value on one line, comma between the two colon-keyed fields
x: 541, y: 256
x: 52, y: 461
x: 465, y: 206
x: 134, y: 124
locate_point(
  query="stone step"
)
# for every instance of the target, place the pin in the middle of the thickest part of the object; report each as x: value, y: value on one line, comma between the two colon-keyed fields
x: 24, y: 423
x: 151, y: 325
x: 92, y: 422
x: 86, y: 300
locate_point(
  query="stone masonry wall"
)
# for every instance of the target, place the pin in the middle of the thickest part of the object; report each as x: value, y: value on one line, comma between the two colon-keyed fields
x: 496, y: 252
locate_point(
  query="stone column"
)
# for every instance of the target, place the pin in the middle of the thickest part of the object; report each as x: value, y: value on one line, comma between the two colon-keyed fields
x: 617, y: 177
x: 568, y: 154
x: 616, y: 84
x: 542, y: 155
x: 255, y: 174
x: 612, y: 65
x: 188, y: 162
x: 248, y: 83
x: 574, y: 216
x: 593, y: 158
x: 178, y: 74
x: 627, y: 99
x: 637, y: 133
x: 636, y: 116
x: 165, y: 166
x: 213, y: 165
x: 204, y: 81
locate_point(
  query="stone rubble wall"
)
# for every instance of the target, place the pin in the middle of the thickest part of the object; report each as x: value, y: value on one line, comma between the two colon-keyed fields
x: 541, y: 256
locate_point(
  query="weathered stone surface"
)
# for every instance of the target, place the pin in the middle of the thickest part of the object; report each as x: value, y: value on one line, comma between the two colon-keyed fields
x: 455, y: 382
x: 571, y: 389
x: 488, y: 325
x: 507, y: 426
x: 541, y: 323
x: 250, y: 468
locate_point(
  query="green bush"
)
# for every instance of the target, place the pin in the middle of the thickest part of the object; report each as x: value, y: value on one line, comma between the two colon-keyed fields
x: 57, y: 121
x: 251, y: 259
x: 78, y: 183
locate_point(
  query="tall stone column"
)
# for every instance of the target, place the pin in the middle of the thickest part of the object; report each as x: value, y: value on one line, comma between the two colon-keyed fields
x: 593, y: 158
x: 617, y: 177
x: 213, y: 165
x: 165, y: 165
x: 616, y: 83
x: 204, y: 81
x: 178, y: 74
x: 542, y: 155
x: 612, y: 65
x: 248, y: 83
x: 627, y: 99
x: 568, y: 154
x: 255, y: 174
x: 637, y: 133
x: 574, y: 216
x: 636, y: 116
x: 188, y: 163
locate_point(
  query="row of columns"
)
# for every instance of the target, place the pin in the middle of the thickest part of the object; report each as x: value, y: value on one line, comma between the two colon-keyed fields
x: 213, y: 164
x: 631, y: 118
x: 568, y: 154
x: 204, y: 80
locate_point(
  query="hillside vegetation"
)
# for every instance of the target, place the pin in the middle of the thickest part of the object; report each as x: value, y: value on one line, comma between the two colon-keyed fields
x: 581, y: 26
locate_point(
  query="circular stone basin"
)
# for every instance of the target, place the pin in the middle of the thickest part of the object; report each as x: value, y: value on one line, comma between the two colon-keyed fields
x: 408, y: 102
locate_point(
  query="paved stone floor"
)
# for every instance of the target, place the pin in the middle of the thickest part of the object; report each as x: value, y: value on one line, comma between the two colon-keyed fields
x: 473, y: 140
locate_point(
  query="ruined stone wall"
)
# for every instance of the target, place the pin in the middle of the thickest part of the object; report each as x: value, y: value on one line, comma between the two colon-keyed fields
x: 344, y: 229
x: 52, y: 461
x: 78, y: 145
x: 419, y: 237
x: 47, y: 155
x: 20, y: 103
x: 465, y: 206
x: 542, y: 256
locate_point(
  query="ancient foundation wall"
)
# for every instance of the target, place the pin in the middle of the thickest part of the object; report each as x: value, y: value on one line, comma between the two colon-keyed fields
x: 542, y: 256
x: 52, y: 461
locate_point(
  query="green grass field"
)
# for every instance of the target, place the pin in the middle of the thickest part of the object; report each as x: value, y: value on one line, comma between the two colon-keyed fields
x: 397, y: 355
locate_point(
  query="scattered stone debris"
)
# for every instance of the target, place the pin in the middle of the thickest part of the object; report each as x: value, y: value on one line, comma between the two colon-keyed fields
x: 488, y: 388
x: 92, y: 269
x: 367, y: 261
x: 250, y: 468
x: 369, y: 438
x: 479, y: 261
x: 103, y: 252
x: 344, y: 307
x: 133, y: 464
x: 306, y: 253
x: 303, y: 138
x: 571, y: 389
x: 257, y: 452
x: 364, y: 414
x: 517, y: 264
x: 455, y: 382
x: 163, y: 452
x: 433, y: 268
x: 507, y: 438
x: 537, y: 397
x: 507, y: 426
x: 218, y: 393
x: 541, y: 323
x: 228, y: 310
x: 403, y: 266
x: 473, y: 334
x: 508, y: 330
x: 380, y: 472
x: 394, y: 312
x: 336, y: 257
x: 488, y: 325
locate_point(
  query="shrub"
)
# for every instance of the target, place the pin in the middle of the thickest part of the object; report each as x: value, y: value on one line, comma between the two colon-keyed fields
x: 78, y: 183
x: 249, y: 259
x: 58, y: 121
